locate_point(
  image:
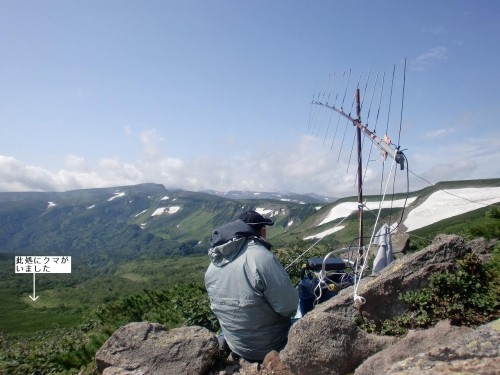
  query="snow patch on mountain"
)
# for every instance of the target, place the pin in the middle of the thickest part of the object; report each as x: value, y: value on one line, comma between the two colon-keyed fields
x: 267, y: 212
x: 346, y: 208
x: 140, y: 213
x: 117, y: 195
x: 444, y: 204
x: 324, y: 233
x: 166, y: 210
x: 440, y: 205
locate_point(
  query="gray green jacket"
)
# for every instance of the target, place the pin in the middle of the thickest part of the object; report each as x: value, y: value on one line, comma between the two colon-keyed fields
x: 250, y: 292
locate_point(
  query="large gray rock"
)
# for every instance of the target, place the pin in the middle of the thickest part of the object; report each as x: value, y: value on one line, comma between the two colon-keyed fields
x: 323, y: 343
x: 149, y: 349
x: 410, y: 273
x: 413, y: 343
x: 476, y: 353
x: 400, y: 244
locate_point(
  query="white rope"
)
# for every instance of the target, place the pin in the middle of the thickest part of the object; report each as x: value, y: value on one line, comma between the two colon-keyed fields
x: 358, y: 270
x: 323, y: 280
x: 357, y: 298
x: 314, y: 244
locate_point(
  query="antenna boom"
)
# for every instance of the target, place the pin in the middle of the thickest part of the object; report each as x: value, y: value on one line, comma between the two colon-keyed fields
x: 394, y: 153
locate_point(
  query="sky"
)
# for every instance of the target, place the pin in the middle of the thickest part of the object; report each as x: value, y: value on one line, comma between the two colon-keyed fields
x: 217, y: 95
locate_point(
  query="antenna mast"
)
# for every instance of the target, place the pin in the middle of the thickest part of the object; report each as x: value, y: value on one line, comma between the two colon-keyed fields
x: 385, y: 148
x: 360, y: 178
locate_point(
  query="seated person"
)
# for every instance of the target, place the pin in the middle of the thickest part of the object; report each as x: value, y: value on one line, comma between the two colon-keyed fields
x: 250, y: 292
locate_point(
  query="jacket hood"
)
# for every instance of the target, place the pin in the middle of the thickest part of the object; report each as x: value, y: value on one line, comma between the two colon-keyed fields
x: 228, y: 240
x: 226, y: 253
x: 228, y: 231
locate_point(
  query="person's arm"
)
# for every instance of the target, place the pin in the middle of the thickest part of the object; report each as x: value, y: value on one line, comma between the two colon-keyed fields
x: 275, y: 284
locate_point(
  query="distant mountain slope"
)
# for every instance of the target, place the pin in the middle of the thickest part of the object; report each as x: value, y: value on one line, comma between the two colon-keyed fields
x: 287, y: 197
x: 113, y: 224
x: 105, y: 225
x: 422, y: 208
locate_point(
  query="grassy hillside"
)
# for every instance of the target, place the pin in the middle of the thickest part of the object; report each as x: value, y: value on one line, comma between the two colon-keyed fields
x: 130, y: 265
x: 119, y: 248
x: 64, y: 299
x: 100, y: 226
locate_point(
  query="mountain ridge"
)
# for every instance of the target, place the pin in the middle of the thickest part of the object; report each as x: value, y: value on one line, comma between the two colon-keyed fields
x: 289, y: 196
x: 148, y: 220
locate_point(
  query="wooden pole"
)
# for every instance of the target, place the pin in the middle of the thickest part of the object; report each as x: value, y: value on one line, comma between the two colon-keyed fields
x: 360, y: 178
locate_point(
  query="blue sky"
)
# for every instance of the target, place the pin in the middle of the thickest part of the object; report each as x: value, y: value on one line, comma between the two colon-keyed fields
x: 216, y: 94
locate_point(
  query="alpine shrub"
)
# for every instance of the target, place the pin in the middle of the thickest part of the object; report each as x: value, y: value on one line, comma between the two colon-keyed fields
x: 468, y: 296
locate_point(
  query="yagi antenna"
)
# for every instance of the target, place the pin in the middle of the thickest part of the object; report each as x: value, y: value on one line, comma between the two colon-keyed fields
x: 383, y: 144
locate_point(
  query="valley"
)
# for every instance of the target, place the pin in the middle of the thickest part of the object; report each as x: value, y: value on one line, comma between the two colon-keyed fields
x: 127, y: 239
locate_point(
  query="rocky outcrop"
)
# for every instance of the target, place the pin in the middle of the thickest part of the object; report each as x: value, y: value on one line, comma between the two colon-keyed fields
x: 475, y: 353
x: 400, y: 244
x: 412, y: 344
x: 381, y: 292
x: 149, y: 349
x: 326, y: 340
x: 325, y: 343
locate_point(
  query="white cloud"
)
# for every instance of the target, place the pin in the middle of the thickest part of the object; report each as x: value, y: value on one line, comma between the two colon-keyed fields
x: 458, y: 169
x: 436, y: 53
x: 438, y: 133
x: 431, y: 57
x: 75, y: 162
x: 16, y: 176
x: 306, y: 166
x: 151, y: 143
x: 455, y: 159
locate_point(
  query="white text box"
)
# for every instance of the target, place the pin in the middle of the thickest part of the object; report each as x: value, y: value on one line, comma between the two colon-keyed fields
x: 42, y: 264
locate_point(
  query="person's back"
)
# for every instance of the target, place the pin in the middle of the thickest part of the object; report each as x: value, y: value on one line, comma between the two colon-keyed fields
x: 250, y: 292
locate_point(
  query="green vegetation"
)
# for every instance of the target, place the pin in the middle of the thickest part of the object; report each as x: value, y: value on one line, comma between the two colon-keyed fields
x: 181, y: 304
x: 62, y: 350
x: 65, y: 298
x: 55, y: 351
x: 124, y: 271
x: 69, y: 351
x: 52, y: 336
x: 469, y: 295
